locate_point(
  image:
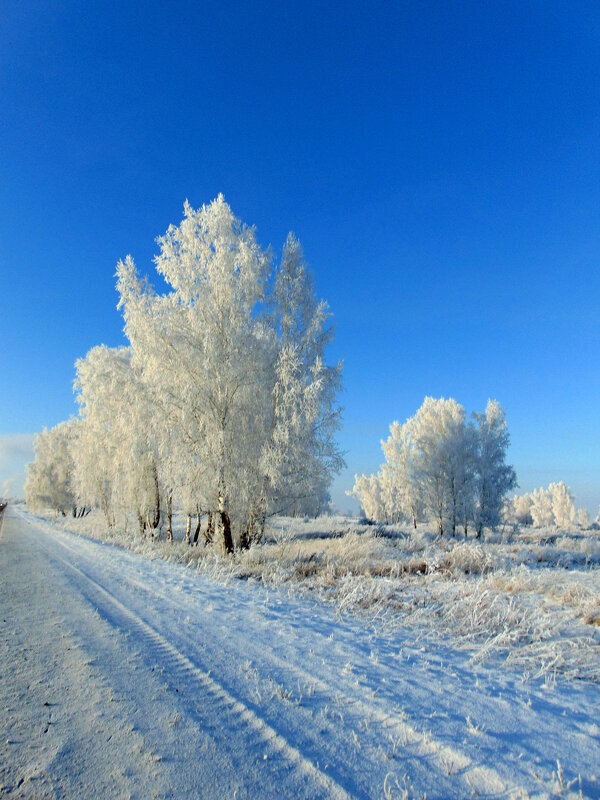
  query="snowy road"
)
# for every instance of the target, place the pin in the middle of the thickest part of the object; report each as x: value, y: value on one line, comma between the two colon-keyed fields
x: 121, y: 676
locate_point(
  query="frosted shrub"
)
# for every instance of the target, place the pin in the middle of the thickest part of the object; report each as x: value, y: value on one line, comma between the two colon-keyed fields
x: 469, y: 559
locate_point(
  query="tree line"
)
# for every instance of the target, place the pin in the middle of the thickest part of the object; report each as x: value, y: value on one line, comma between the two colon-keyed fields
x: 553, y: 506
x: 221, y: 404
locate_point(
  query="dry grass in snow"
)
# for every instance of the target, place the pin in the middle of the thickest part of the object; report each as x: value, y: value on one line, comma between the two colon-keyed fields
x: 530, y: 597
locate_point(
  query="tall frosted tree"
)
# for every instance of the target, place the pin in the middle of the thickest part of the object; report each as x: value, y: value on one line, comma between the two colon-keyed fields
x: 494, y: 478
x: 441, y: 450
x: 216, y: 271
x: 398, y: 474
x: 299, y: 453
x: 232, y: 361
x: 49, y: 479
x: 115, y: 459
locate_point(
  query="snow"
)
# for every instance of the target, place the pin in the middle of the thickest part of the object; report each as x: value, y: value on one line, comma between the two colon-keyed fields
x: 123, y: 676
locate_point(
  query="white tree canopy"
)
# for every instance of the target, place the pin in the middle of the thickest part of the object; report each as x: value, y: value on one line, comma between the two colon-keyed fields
x: 439, y: 466
x: 548, y: 507
x: 49, y: 479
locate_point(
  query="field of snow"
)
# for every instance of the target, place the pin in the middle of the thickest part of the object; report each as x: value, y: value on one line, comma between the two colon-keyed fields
x: 336, y: 660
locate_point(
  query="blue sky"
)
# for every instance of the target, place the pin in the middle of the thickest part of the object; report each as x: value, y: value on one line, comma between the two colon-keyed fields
x: 440, y: 163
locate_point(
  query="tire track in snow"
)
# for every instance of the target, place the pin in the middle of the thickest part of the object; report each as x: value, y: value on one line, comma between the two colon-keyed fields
x: 478, y: 780
x: 266, y: 735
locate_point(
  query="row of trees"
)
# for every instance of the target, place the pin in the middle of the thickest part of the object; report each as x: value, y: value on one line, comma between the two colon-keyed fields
x: 542, y: 508
x: 221, y: 404
x: 439, y: 466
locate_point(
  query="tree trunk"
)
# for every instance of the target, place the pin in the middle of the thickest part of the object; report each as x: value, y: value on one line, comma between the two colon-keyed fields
x: 106, y: 510
x: 244, y: 540
x: 210, y: 528
x: 142, y: 525
x: 414, y: 517
x: 156, y: 519
x: 169, y: 516
x: 222, y: 495
x: 226, y: 527
x: 453, y: 507
x: 188, y: 528
x: 225, y: 524
x: 198, y: 525
x: 262, y: 521
x: 257, y: 518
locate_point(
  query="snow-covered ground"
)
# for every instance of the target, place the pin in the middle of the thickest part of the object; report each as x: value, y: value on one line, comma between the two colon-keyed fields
x: 127, y: 676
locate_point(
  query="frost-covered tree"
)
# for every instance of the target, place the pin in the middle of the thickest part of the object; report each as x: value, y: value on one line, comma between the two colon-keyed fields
x: 441, y: 466
x: 544, y: 508
x: 493, y: 477
x: 563, y: 507
x: 49, y: 478
x: 438, y: 465
x: 299, y: 453
x: 367, y: 489
x: 166, y: 346
x: 551, y: 507
x: 521, y: 509
x: 405, y: 496
x: 583, y: 518
x: 115, y: 460
x: 541, y: 508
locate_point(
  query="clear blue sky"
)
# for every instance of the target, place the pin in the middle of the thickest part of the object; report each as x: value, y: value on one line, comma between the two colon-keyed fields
x: 440, y: 163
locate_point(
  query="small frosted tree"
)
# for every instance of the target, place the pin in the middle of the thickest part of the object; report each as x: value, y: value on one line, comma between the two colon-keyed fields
x: 541, y: 508
x: 563, y: 506
x: 405, y: 493
x: 367, y: 490
x: 440, y: 468
x: 521, y: 509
